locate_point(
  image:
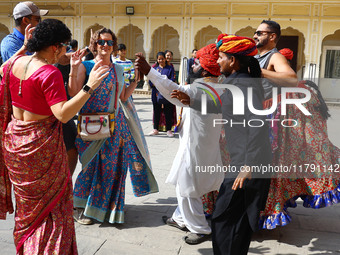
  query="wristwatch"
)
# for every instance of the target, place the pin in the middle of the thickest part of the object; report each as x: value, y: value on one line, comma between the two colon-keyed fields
x: 87, y: 89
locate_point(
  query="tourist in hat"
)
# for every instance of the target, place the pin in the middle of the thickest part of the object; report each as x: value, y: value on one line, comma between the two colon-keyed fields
x: 26, y: 16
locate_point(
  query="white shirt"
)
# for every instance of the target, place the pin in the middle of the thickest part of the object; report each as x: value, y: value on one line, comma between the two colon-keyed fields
x: 199, y: 144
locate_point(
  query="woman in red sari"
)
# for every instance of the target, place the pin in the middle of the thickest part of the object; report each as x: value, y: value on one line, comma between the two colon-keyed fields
x: 33, y: 149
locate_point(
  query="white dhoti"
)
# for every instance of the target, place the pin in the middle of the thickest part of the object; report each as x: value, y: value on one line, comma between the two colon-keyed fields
x: 198, y: 150
x: 190, y: 213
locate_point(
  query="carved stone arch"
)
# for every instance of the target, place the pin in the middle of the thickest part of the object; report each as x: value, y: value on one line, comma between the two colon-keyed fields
x: 330, y: 56
x: 332, y: 40
x: 133, y: 38
x: 206, y: 36
x: 165, y: 38
x: 3, y: 31
x: 87, y: 34
x: 287, y: 34
x: 247, y: 31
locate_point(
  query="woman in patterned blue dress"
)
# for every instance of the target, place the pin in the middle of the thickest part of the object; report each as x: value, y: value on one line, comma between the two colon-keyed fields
x: 100, y: 187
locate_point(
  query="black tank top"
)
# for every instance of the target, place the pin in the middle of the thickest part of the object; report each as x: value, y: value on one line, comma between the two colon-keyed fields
x: 264, y: 62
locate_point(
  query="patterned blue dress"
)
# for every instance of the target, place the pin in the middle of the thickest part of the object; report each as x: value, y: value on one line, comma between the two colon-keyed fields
x: 100, y: 187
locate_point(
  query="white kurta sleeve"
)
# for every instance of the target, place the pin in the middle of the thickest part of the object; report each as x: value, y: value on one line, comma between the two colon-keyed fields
x: 165, y: 86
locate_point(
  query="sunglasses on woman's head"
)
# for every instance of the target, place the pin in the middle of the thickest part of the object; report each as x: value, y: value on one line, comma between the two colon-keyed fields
x: 102, y: 42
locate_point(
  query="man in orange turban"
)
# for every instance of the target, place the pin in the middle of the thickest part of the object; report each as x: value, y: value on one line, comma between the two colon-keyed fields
x: 208, y: 57
x: 205, y: 63
x: 238, y: 45
x: 242, y: 194
x: 199, y: 147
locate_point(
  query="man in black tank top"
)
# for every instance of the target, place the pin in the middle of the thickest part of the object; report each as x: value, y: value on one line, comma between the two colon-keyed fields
x: 295, y: 146
x: 274, y: 65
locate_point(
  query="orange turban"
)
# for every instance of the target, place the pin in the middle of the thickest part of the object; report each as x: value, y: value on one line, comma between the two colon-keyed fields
x: 237, y: 45
x: 208, y: 57
x: 288, y: 53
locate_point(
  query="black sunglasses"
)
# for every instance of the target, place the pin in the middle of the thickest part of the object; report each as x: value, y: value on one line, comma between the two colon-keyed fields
x: 102, y: 42
x: 259, y: 33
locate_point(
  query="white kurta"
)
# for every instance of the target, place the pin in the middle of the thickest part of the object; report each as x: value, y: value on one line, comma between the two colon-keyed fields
x: 199, y: 144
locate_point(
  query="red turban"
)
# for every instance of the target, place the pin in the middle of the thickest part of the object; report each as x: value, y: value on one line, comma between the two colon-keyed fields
x: 237, y: 45
x: 208, y: 57
x: 288, y: 53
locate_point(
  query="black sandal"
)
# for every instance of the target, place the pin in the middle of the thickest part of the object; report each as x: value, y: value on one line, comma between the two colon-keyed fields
x: 193, y: 238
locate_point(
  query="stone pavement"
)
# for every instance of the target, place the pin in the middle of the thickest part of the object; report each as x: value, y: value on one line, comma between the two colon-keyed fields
x: 312, y: 231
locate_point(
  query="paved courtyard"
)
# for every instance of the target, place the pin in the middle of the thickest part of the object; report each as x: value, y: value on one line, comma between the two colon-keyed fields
x: 312, y: 231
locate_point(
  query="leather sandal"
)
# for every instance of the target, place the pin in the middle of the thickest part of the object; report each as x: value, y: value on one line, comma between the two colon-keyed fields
x: 193, y: 238
x: 170, y: 222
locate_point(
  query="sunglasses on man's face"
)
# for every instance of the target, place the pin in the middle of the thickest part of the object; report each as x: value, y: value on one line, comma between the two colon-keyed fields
x: 102, y: 42
x: 259, y: 33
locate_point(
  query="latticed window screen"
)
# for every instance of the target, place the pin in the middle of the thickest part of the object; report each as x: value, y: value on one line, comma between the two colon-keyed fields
x: 332, y: 67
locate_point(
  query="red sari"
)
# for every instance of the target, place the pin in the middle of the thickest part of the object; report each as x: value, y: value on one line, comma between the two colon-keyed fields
x: 36, y: 160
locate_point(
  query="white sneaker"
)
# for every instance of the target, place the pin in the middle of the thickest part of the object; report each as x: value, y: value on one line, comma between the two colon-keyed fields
x: 169, y: 133
x: 154, y: 132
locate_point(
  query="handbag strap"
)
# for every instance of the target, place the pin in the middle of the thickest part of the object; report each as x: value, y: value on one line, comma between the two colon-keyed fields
x: 87, y: 120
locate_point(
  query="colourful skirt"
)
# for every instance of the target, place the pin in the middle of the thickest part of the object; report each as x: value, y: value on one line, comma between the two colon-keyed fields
x: 307, y: 144
x: 162, y: 121
x: 100, y: 186
x: 209, y: 201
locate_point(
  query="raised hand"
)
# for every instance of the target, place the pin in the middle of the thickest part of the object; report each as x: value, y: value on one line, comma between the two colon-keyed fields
x: 97, y: 74
x: 85, y: 51
x: 141, y: 65
x: 28, y: 33
x: 76, y: 58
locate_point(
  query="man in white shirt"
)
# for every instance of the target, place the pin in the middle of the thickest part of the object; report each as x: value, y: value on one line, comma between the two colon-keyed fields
x: 199, y: 148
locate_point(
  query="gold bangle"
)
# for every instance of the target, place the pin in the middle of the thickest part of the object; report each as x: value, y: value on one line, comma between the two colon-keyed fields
x: 72, y: 75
